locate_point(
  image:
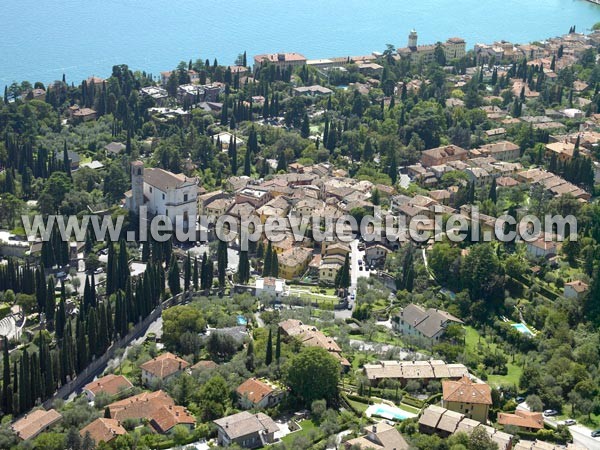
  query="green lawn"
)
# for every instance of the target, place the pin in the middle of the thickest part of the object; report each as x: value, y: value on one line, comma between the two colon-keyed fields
x: 305, y: 427
x: 359, y: 406
x: 472, y: 339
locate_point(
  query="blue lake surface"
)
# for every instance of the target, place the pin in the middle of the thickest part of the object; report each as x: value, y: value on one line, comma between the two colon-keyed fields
x: 41, y: 40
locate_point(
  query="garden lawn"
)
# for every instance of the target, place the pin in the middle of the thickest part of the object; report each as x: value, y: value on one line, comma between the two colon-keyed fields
x: 305, y: 427
x: 514, y: 371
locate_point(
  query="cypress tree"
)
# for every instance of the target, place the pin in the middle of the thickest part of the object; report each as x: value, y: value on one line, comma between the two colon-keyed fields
x: 6, y: 395
x: 274, y: 265
x: 268, y: 261
x: 222, y: 263
x: 173, y: 278
x: 250, y: 356
x: 50, y: 304
x: 278, y: 345
x: 244, y: 267
x: 187, y: 273
x: 196, y: 274
x: 493, y: 194
x: 269, y: 350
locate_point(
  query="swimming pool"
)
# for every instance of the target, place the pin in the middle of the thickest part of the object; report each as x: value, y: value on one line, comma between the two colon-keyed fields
x: 241, y: 320
x: 388, y: 412
x: 522, y: 328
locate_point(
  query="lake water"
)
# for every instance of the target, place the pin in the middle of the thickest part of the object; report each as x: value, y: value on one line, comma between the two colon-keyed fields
x: 41, y: 40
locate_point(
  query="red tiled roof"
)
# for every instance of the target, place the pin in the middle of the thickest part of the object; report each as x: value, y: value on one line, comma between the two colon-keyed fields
x: 103, y: 429
x: 111, y: 384
x: 167, y: 417
x: 164, y: 365
x: 254, y: 390
x: 465, y: 391
x: 138, y: 406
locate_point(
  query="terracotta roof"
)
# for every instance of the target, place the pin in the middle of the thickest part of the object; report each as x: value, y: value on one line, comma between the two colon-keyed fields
x: 166, y: 417
x: 103, y: 430
x: 578, y: 286
x: 111, y: 384
x: 244, y: 424
x: 139, y: 406
x: 164, y: 365
x: 523, y: 419
x: 465, y: 391
x: 205, y: 364
x: 380, y: 436
x: 32, y: 424
x: 254, y: 390
x: 165, y: 180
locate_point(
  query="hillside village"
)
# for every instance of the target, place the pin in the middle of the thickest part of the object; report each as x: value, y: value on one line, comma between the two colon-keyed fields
x: 304, y: 343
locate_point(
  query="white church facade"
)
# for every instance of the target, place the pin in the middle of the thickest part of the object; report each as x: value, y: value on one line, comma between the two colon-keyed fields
x: 164, y: 193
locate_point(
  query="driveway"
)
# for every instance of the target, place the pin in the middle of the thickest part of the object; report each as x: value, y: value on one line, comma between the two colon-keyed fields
x: 582, y: 436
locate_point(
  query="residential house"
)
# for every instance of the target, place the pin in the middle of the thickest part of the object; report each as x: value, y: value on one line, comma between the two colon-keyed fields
x: 502, y: 150
x: 379, y: 436
x: 562, y: 151
x: 543, y: 247
x: 315, y: 90
x: 376, y: 254
x: 309, y: 335
x: 79, y: 115
x: 217, y: 207
x: 140, y: 406
x: 442, y: 155
x: 205, y: 364
x: 294, y: 262
x: 441, y: 421
x: 35, y: 422
x: 103, y: 430
x: 246, y: 430
x: 524, y: 420
x: 426, y: 325
x: 114, y: 148
x: 158, y: 94
x: 328, y: 271
x: 403, y: 371
x: 270, y: 288
x: 575, y: 289
x: 161, y: 368
x: 468, y: 398
x: 225, y: 139
x: 260, y: 394
x: 281, y: 60
x: 74, y: 158
x: 256, y: 197
x: 110, y: 384
x: 167, y: 417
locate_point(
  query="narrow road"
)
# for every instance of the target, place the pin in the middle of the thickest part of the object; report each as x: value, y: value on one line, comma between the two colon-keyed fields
x: 582, y: 436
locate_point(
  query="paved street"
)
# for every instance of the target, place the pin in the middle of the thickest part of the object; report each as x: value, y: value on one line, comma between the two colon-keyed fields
x: 581, y: 435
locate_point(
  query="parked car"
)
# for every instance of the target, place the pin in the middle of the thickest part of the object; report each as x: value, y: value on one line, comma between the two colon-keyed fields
x: 99, y: 270
x: 596, y: 433
x: 520, y: 399
x: 550, y: 412
x: 570, y: 422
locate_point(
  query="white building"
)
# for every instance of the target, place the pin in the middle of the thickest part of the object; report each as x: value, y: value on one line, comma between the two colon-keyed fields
x: 164, y: 193
x: 269, y: 287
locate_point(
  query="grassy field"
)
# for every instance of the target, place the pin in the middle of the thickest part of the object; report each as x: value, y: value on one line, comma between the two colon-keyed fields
x: 359, y: 406
x: 472, y: 341
x: 305, y: 428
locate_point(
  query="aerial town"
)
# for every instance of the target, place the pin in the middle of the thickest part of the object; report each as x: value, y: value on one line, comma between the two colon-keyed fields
x: 301, y: 342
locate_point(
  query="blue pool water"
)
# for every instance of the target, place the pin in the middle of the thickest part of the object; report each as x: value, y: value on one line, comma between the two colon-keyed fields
x: 241, y: 320
x: 390, y: 412
x: 521, y: 327
x: 44, y: 39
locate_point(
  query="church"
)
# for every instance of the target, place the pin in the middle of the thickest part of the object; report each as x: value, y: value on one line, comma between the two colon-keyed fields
x: 164, y: 193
